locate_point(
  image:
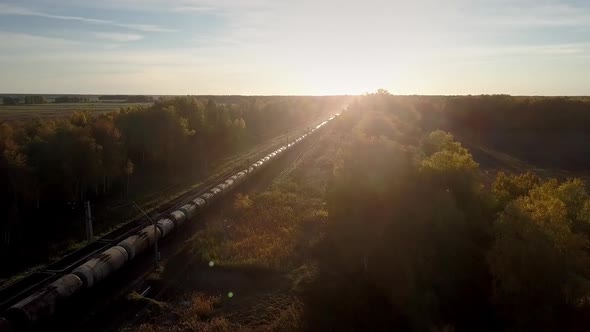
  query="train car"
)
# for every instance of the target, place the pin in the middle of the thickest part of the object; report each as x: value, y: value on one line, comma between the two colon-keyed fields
x: 215, y: 193
x: 200, y: 203
x: 42, y: 303
x: 230, y: 182
x: 207, y: 197
x: 241, y: 176
x: 223, y: 187
x: 189, y: 210
x: 166, y: 226
x: 101, y: 266
x: 138, y: 243
x: 178, y: 217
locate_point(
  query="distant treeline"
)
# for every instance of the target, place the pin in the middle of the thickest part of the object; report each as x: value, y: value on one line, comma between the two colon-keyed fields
x: 29, y: 100
x: 10, y: 101
x: 36, y: 99
x: 71, y: 99
x: 49, y: 166
x: 506, y: 113
x: 25, y: 100
x: 128, y: 99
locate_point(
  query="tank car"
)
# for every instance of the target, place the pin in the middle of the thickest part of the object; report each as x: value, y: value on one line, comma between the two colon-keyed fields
x: 166, y: 226
x: 136, y: 244
x: 189, y: 210
x: 178, y: 217
x: 241, y: 176
x: 42, y: 303
x: 207, y: 197
x: 215, y: 193
x: 200, y: 203
x: 229, y: 183
x: 223, y: 187
x: 101, y: 266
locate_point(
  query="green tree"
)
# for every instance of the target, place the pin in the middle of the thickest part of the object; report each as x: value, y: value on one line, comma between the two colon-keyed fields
x: 9, y: 101
x: 79, y: 119
x: 108, y: 136
x: 35, y: 100
x: 540, y: 266
x: 508, y: 187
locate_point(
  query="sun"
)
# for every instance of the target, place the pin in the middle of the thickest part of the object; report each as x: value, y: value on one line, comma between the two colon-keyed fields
x: 340, y: 83
x: 339, y: 78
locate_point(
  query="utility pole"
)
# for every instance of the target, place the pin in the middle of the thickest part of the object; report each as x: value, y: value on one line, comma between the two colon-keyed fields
x: 88, y: 219
x: 156, y: 251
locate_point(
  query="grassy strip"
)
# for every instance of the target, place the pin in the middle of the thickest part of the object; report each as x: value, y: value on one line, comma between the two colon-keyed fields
x: 272, y: 229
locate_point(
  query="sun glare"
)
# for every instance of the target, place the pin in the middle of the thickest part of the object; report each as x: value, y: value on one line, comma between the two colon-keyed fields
x: 333, y: 80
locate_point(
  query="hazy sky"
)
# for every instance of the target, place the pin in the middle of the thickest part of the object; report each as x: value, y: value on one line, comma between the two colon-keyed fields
x: 295, y: 46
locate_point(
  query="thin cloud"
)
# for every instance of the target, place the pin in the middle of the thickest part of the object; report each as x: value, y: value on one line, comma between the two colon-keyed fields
x: 525, y: 50
x: 21, y: 11
x: 118, y: 37
x: 11, y: 40
x: 200, y: 9
x: 550, y: 16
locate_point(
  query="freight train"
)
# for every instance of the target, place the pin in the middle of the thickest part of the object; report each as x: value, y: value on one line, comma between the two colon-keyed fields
x: 42, y: 303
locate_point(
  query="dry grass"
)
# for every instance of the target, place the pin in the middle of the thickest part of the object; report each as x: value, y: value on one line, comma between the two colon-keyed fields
x: 203, y: 305
x: 275, y: 228
x: 265, y: 231
x: 134, y: 296
x: 196, y: 315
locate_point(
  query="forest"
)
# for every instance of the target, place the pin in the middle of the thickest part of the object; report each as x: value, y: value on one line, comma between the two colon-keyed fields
x: 49, y: 167
x: 422, y: 242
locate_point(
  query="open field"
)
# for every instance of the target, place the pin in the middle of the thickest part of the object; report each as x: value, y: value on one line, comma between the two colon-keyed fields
x: 21, y: 112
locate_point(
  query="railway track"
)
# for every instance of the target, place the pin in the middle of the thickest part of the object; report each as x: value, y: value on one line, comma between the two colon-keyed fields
x: 34, y: 282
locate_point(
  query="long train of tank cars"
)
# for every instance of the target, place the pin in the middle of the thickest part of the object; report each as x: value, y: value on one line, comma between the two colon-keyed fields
x: 42, y: 303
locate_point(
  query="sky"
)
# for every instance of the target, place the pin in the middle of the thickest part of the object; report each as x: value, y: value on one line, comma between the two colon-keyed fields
x: 295, y: 47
